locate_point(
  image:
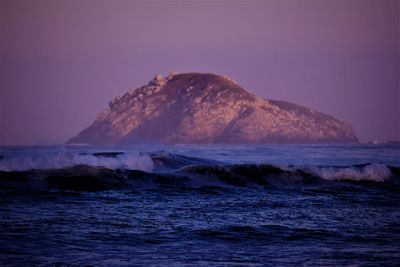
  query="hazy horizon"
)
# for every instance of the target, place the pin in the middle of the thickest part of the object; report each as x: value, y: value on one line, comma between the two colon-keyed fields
x: 62, y: 62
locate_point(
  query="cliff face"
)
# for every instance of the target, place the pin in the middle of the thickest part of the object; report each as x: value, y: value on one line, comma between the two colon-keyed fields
x: 195, y: 108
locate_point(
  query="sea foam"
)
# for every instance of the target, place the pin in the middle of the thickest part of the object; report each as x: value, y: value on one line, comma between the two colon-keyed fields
x: 372, y: 172
x: 57, y: 160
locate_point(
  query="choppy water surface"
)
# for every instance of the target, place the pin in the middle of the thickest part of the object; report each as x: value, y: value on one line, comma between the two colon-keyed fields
x: 200, y: 205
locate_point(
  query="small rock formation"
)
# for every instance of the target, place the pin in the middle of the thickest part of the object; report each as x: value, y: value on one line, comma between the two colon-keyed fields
x: 195, y: 108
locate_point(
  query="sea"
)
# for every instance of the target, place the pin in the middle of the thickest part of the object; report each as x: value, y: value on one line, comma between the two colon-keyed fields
x: 200, y: 205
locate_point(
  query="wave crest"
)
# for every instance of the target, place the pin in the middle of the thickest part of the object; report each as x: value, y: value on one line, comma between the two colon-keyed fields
x: 59, y: 160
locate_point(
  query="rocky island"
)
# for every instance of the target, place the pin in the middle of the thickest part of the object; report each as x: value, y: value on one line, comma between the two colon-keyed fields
x: 198, y: 108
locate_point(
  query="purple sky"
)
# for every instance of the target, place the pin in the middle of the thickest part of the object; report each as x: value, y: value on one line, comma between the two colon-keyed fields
x: 62, y: 62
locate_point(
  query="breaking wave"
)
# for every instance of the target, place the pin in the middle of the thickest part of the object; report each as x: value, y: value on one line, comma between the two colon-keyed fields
x: 113, y: 170
x: 372, y: 172
x: 59, y: 160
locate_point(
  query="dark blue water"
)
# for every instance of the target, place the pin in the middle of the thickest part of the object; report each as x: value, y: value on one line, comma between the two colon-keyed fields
x: 191, y: 206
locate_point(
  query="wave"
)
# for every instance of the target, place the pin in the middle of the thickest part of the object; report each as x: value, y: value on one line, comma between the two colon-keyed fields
x: 185, y: 175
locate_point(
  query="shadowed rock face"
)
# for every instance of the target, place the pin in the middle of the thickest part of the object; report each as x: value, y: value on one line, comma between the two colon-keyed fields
x: 194, y: 108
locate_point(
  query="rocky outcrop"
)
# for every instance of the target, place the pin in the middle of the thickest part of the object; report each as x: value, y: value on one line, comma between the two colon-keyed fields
x: 195, y: 108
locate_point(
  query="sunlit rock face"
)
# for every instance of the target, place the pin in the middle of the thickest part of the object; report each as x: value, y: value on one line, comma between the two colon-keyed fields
x: 196, y: 108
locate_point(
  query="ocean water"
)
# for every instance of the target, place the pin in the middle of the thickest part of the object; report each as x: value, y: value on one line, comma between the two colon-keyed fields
x: 211, y: 205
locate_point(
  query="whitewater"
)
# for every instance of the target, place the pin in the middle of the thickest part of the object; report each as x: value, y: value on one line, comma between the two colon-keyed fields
x: 190, y: 205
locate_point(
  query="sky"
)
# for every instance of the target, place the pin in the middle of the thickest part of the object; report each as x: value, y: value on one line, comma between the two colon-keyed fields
x: 62, y: 62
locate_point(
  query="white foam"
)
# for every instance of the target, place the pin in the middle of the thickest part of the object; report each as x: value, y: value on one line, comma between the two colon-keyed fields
x: 57, y: 160
x: 372, y: 172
